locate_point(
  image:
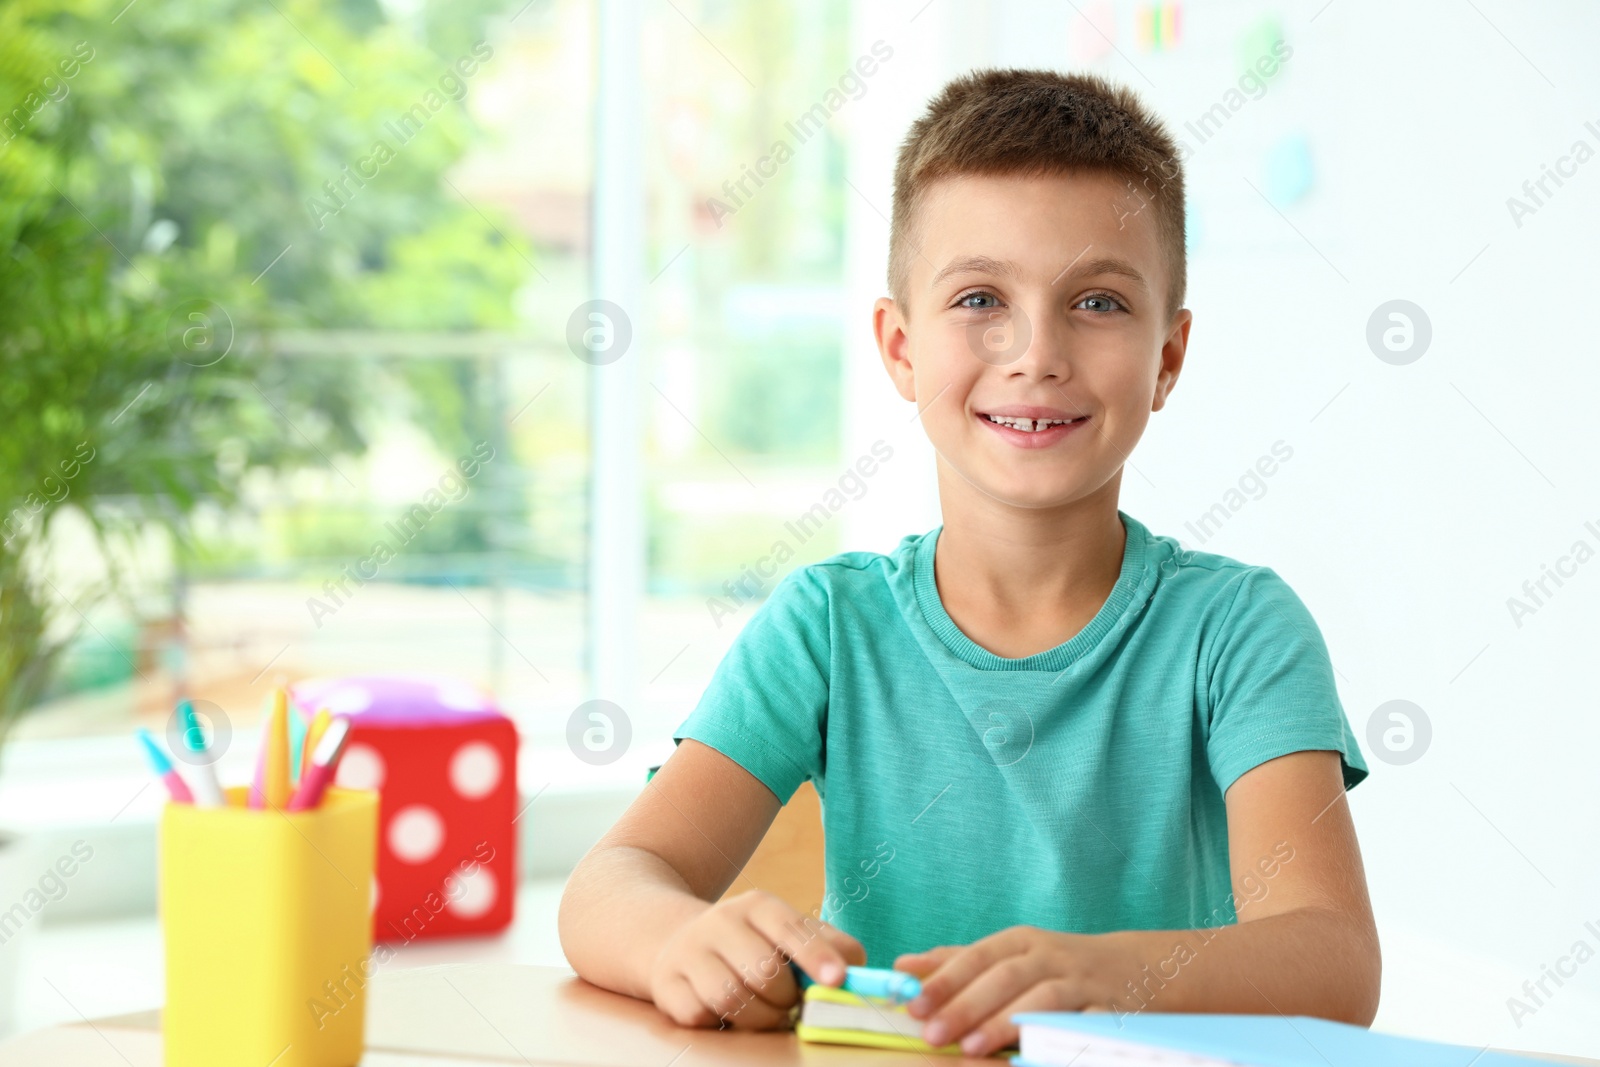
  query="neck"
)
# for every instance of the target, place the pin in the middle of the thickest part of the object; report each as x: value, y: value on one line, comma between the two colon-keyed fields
x: 1027, y: 559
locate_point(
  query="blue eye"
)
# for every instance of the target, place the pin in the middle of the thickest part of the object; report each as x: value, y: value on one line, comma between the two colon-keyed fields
x: 961, y: 301
x: 1104, y: 299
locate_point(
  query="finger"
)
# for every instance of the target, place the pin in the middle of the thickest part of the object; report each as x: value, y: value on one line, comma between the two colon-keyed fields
x: 996, y: 1034
x: 853, y: 951
x: 804, y: 938
x: 923, y: 963
x: 727, y: 1000
x: 1000, y: 1032
x: 981, y: 998
x: 717, y: 987
x: 760, y: 966
x: 679, y: 1002
x: 960, y: 968
x: 759, y: 1015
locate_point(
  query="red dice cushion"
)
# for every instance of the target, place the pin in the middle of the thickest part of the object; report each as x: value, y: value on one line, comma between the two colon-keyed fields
x: 444, y: 762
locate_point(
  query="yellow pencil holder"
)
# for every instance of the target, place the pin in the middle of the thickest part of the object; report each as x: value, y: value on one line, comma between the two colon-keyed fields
x: 267, y: 918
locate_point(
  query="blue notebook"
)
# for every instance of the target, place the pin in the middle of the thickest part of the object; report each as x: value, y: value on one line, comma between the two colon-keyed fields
x: 1050, y: 1039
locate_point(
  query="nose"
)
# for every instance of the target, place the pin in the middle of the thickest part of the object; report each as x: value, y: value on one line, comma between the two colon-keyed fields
x: 1039, y: 344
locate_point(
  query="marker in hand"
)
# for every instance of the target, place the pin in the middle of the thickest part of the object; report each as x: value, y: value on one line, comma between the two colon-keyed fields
x: 896, y: 987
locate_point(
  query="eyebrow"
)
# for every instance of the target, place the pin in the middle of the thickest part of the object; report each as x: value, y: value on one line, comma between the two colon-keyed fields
x: 974, y: 265
x: 1005, y: 268
x: 1110, y: 265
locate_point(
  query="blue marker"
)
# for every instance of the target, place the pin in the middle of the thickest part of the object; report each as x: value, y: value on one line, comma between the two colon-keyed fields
x: 896, y: 987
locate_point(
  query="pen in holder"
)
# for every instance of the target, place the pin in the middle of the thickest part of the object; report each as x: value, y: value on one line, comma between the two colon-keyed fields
x: 266, y: 916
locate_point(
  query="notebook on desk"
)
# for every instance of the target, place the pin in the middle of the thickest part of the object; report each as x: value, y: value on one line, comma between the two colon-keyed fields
x: 1055, y: 1039
x: 837, y: 1017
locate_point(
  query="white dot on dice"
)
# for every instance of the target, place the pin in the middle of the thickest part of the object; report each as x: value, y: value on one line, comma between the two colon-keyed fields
x: 415, y: 833
x: 471, y: 895
x: 360, y: 768
x: 475, y: 769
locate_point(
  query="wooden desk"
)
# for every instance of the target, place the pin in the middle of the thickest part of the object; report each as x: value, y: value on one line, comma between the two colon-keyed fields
x: 487, y: 1014
x: 477, y: 1016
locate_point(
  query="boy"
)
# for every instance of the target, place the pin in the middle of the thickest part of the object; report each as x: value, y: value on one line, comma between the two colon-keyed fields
x: 1048, y: 741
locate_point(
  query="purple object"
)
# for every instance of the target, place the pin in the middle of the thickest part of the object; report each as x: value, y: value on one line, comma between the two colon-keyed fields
x: 395, y: 700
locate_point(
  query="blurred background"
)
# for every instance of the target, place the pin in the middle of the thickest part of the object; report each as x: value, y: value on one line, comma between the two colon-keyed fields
x: 279, y: 275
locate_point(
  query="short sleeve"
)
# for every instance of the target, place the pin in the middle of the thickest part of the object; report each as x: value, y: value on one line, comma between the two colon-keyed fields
x: 1270, y: 685
x: 766, y: 705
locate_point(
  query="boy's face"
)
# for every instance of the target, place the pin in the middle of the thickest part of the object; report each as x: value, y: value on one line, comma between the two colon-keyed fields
x: 1037, y: 298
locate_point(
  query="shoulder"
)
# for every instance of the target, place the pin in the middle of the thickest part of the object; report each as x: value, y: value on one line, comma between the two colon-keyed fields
x: 1247, y: 620
x: 1220, y: 589
x: 858, y: 572
x: 845, y: 591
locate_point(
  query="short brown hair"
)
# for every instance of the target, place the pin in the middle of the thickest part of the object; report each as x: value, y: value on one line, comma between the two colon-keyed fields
x: 1038, y: 122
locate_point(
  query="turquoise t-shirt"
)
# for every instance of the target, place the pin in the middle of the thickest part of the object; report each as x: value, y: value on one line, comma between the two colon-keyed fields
x: 1079, y: 789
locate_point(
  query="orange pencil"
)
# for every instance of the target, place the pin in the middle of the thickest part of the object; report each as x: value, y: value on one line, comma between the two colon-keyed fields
x: 319, y: 724
x: 275, y: 783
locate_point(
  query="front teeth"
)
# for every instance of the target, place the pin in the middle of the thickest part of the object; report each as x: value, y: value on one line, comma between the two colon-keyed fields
x: 1027, y: 425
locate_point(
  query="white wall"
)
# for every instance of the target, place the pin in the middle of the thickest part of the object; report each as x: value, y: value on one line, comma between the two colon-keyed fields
x: 1419, y: 497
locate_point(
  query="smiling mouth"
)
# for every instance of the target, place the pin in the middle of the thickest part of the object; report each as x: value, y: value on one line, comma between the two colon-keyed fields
x: 1031, y: 425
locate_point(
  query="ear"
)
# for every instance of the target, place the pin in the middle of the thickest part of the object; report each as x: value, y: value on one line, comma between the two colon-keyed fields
x: 1173, y: 349
x: 894, y: 345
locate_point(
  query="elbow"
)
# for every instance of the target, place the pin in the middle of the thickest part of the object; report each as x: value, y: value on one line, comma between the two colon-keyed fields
x: 570, y: 924
x: 567, y: 927
x: 566, y: 912
x: 1343, y: 966
x: 1364, y: 977
x: 1371, y: 982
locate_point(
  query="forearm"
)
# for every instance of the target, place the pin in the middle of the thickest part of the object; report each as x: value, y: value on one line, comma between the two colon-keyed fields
x: 620, y: 906
x: 1308, y: 961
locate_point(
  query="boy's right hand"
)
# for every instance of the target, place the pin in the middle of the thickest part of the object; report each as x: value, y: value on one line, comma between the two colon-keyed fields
x: 729, y: 964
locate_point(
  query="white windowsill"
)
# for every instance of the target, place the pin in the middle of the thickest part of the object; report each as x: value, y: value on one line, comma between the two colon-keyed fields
x: 56, y: 792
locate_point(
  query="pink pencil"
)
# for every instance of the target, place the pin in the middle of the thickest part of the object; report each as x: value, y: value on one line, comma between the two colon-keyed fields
x: 320, y: 769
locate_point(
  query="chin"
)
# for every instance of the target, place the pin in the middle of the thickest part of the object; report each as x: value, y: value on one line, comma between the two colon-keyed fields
x: 1029, y: 494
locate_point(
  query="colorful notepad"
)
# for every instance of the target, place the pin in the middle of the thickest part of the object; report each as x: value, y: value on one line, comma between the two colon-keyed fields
x: 1054, y: 1039
x: 836, y: 1017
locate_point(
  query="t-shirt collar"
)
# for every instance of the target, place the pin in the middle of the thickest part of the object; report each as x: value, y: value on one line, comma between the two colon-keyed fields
x: 1130, y: 589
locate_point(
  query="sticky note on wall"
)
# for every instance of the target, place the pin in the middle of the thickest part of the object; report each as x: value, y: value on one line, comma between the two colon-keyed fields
x: 1092, y: 32
x: 1158, y: 27
x: 1261, y: 48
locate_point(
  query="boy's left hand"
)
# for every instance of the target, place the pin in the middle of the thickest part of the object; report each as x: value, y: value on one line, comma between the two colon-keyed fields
x: 970, y: 992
